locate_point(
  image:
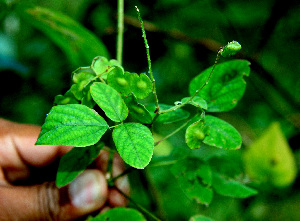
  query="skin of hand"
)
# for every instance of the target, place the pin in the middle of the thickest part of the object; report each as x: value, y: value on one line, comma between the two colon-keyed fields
x: 27, y: 171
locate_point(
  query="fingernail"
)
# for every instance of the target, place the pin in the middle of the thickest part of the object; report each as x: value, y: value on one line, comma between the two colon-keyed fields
x: 87, y: 191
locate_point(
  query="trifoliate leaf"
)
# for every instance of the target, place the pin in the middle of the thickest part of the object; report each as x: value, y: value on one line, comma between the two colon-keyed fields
x: 110, y: 101
x: 134, y: 143
x: 73, y: 125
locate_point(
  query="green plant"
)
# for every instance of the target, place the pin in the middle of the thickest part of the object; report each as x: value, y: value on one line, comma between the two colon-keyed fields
x: 119, y: 94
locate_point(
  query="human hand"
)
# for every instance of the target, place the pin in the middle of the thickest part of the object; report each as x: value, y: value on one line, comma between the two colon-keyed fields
x: 27, y: 189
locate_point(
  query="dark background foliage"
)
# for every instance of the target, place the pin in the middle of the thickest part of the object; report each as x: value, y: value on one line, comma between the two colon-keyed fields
x: 184, y: 37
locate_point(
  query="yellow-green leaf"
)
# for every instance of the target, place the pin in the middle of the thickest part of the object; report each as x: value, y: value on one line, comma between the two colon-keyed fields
x: 270, y: 160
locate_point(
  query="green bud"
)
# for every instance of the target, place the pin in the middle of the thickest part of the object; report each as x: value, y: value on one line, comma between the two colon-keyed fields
x: 230, y: 49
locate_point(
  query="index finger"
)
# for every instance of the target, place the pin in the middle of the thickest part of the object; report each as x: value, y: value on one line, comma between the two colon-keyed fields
x: 18, y: 150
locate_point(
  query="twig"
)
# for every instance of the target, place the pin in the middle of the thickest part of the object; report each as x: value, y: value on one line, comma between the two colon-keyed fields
x: 148, y: 59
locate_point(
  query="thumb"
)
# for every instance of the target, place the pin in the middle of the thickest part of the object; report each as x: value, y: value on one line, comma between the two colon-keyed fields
x: 87, y: 193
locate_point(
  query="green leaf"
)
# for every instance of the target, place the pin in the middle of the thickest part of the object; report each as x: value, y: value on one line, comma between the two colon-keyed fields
x: 141, y: 85
x: 79, y: 44
x: 83, y: 74
x: 225, y: 87
x: 229, y: 187
x: 67, y: 98
x: 197, y: 102
x: 169, y: 117
x: 194, y: 177
x: 137, y: 110
x: 119, y: 80
x: 269, y: 160
x: 74, y: 162
x: 101, y: 66
x: 200, y: 218
x: 73, y: 125
x: 221, y: 134
x: 134, y: 143
x: 195, y: 134
x: 81, y: 80
x: 119, y: 213
x: 110, y: 101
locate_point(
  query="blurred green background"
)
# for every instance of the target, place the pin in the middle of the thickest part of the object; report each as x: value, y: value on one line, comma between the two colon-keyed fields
x: 184, y: 37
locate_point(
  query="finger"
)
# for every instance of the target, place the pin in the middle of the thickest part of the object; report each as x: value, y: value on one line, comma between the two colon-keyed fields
x: 115, y: 198
x: 87, y: 193
x: 102, y: 163
x: 18, y: 150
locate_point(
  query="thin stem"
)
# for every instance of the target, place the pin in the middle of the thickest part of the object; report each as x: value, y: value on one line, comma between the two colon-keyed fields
x: 138, y: 205
x: 120, y: 31
x: 148, y: 59
x: 197, y: 92
x: 174, y: 132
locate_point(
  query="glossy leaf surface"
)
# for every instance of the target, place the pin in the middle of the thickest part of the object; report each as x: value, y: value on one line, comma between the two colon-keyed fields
x: 225, y: 87
x: 221, y: 134
x: 73, y: 125
x: 134, y: 143
x: 110, y: 101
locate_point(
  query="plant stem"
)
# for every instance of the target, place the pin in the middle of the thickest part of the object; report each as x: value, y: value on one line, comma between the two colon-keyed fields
x: 138, y: 205
x: 148, y: 59
x: 120, y: 31
x: 197, y: 92
x: 172, y: 133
